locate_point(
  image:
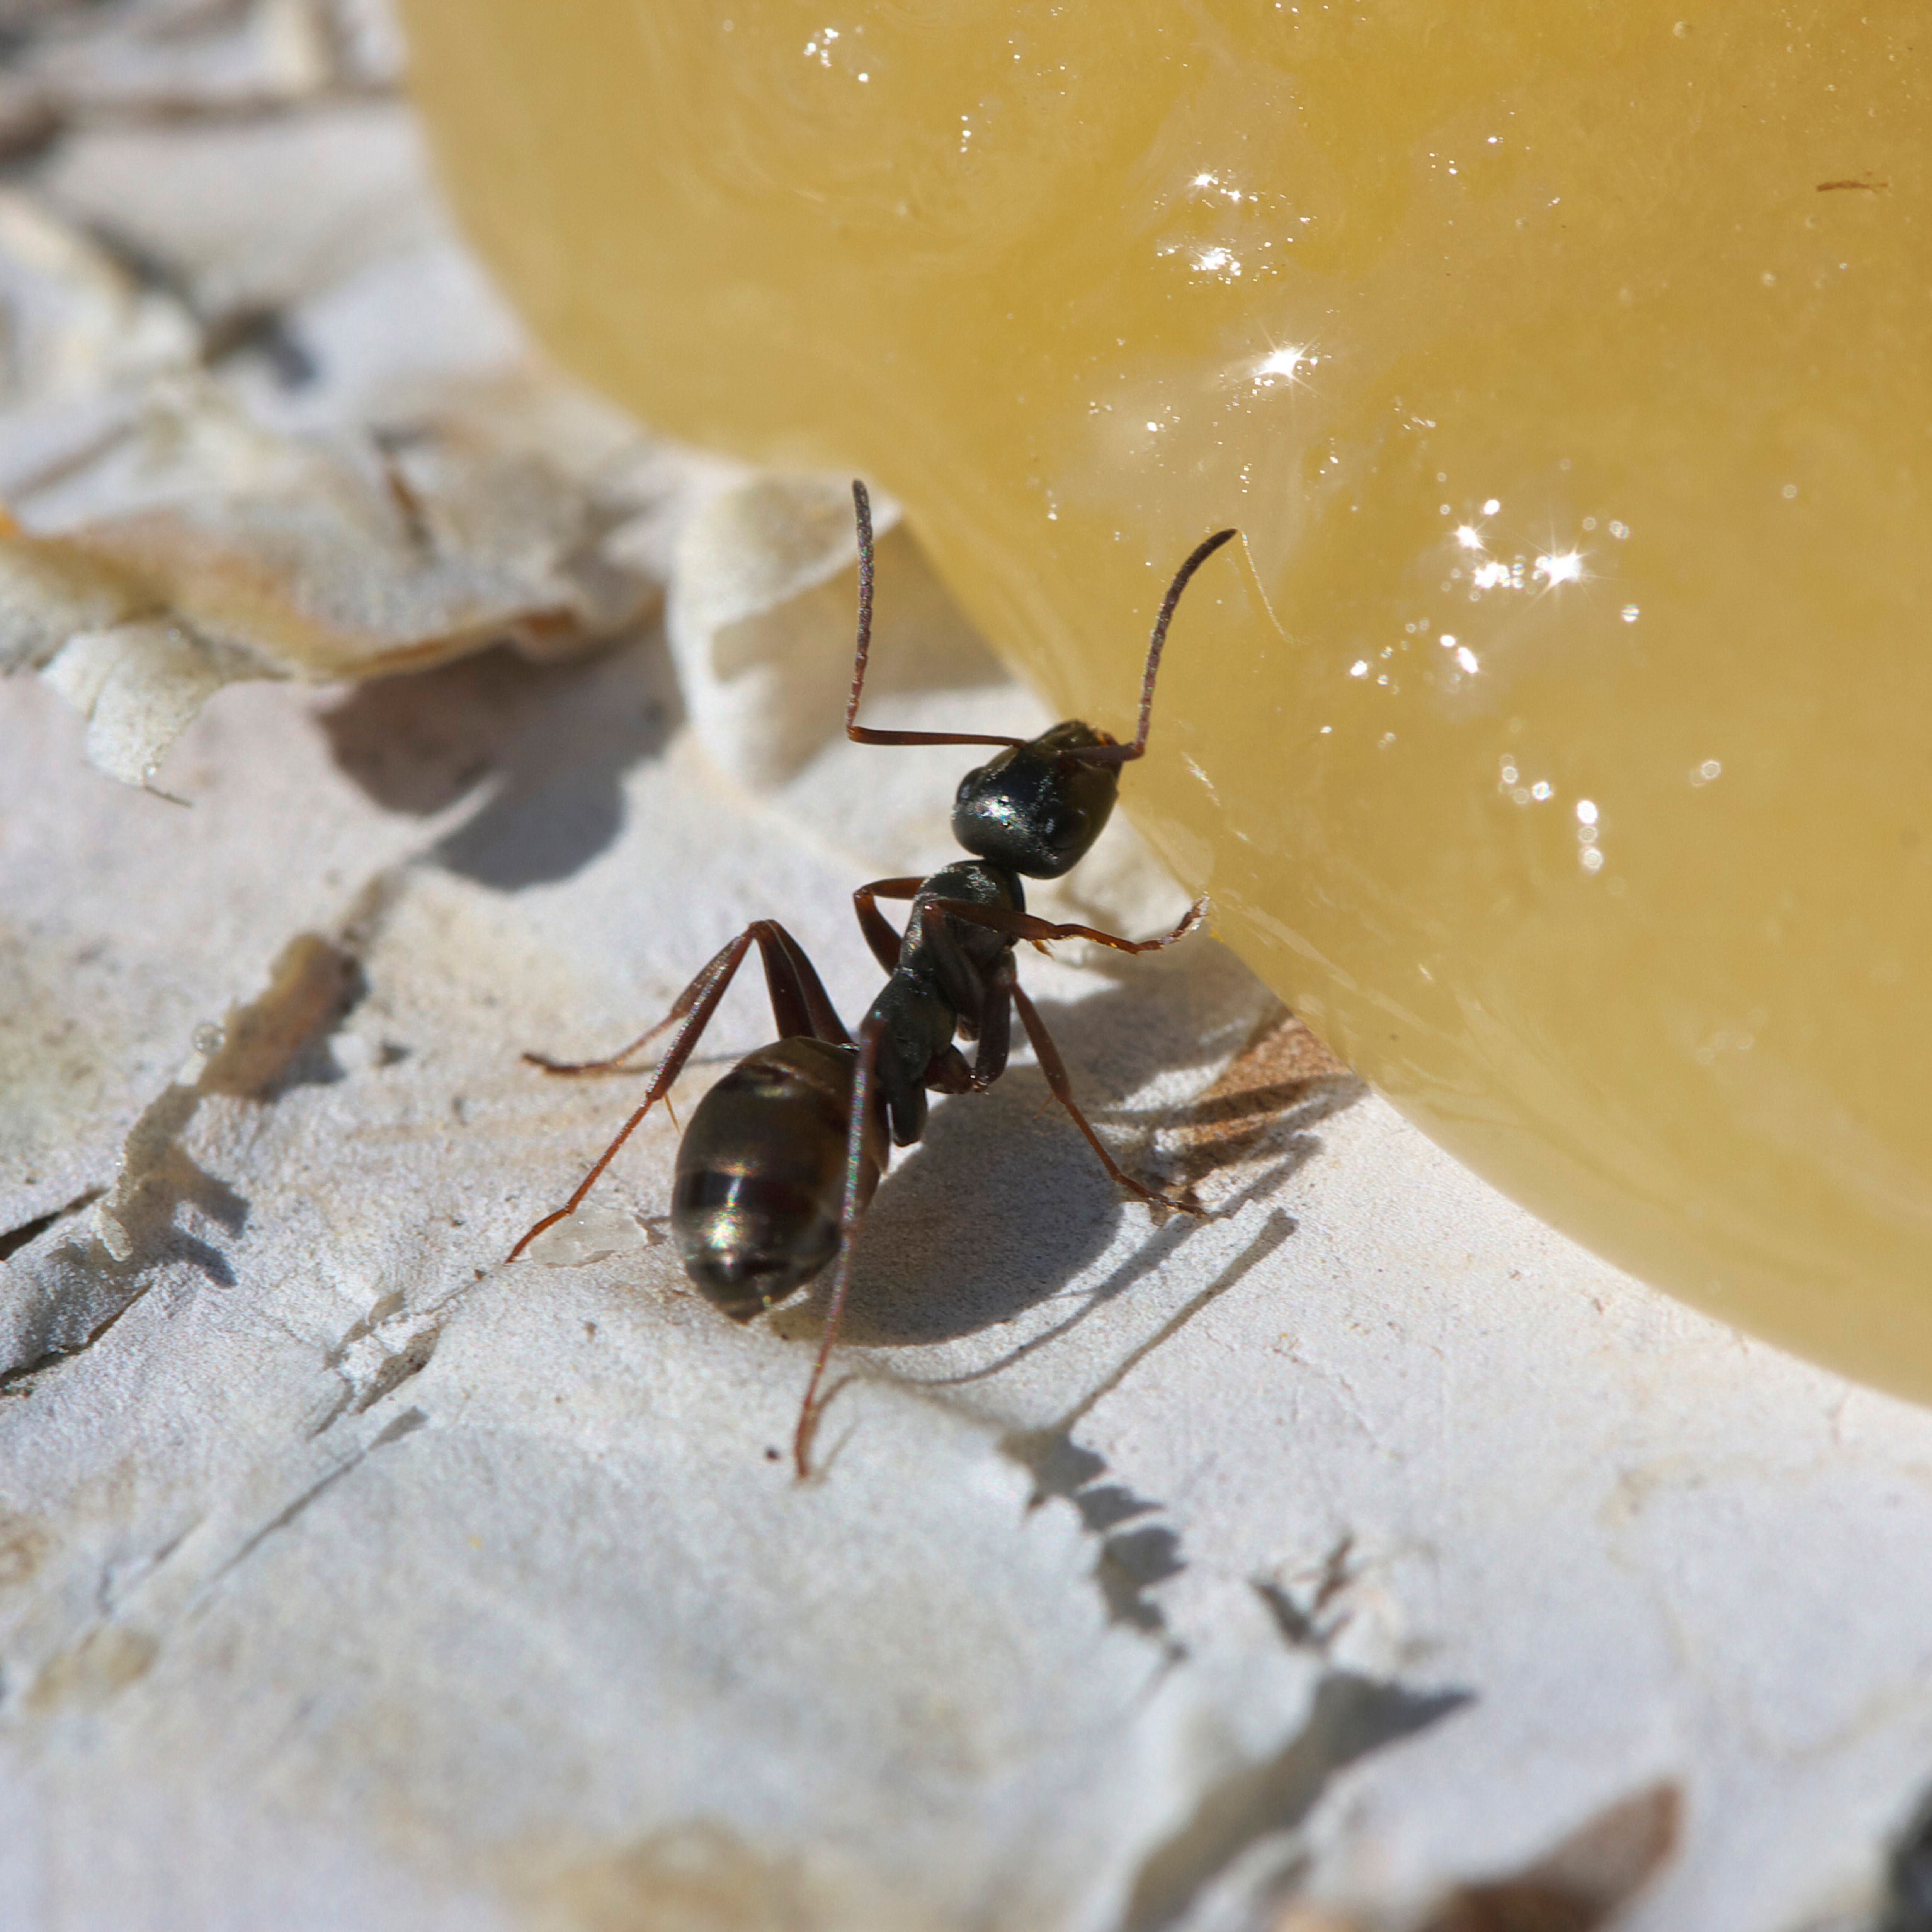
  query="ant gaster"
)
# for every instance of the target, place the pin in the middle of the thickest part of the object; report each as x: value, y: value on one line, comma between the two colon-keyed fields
x: 783, y: 1154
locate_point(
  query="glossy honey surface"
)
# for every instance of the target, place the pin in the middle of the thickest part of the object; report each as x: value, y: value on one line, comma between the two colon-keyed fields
x: 1561, y: 744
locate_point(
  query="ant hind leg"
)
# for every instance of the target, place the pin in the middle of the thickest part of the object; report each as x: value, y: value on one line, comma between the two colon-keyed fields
x: 614, y: 1064
x: 799, y: 1007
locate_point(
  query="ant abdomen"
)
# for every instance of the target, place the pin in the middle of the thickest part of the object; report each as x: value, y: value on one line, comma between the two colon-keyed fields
x: 756, y: 1207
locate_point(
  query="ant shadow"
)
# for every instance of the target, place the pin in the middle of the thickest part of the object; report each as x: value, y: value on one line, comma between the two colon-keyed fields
x: 544, y: 747
x: 71, y: 1295
x: 278, y: 1042
x: 1002, y: 1205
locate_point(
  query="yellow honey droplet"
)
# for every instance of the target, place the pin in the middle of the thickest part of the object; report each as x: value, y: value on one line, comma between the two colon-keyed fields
x: 1526, y: 328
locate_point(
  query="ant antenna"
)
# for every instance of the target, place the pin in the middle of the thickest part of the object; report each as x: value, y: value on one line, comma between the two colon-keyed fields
x: 861, y: 513
x: 861, y: 734
x: 1119, y: 754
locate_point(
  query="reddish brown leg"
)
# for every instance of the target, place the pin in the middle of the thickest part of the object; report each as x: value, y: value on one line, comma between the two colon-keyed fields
x: 800, y: 1004
x: 879, y: 935
x: 996, y: 1024
x: 615, y: 1064
x: 851, y: 1213
x: 799, y: 1007
x: 1052, y: 1065
x: 1024, y: 925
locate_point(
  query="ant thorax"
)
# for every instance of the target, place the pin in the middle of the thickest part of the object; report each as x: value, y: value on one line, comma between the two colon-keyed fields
x: 977, y: 882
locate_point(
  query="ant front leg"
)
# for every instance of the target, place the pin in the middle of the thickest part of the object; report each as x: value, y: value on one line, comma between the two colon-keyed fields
x: 981, y: 993
x: 996, y: 1024
x: 799, y: 1007
x: 1025, y: 925
x: 963, y: 981
x: 880, y: 936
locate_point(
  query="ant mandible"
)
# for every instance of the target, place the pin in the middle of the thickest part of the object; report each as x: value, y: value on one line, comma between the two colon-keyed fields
x: 782, y: 1156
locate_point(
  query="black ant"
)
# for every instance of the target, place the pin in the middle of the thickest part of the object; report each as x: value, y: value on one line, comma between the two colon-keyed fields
x: 783, y: 1154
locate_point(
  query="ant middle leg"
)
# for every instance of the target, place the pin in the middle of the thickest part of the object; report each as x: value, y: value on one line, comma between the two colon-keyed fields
x: 1055, y: 1068
x: 799, y: 1007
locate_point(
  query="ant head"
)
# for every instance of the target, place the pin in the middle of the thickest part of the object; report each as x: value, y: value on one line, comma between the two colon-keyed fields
x: 1034, y: 809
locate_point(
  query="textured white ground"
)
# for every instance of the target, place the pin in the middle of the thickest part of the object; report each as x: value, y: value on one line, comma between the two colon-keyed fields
x: 1364, y: 1541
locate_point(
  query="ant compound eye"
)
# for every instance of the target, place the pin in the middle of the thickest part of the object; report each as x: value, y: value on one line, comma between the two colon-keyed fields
x: 1065, y: 827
